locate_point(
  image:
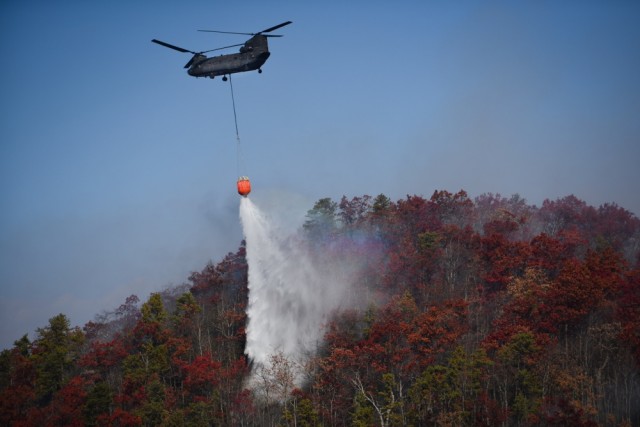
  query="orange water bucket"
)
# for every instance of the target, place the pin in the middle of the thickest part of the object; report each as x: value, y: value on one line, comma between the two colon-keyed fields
x: 244, y: 186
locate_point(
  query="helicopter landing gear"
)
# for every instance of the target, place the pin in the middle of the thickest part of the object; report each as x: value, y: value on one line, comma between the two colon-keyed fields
x: 259, y: 70
x: 224, y: 78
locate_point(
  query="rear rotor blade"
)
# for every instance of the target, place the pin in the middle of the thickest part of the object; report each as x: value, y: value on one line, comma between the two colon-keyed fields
x: 268, y: 30
x: 227, y: 32
x: 170, y: 46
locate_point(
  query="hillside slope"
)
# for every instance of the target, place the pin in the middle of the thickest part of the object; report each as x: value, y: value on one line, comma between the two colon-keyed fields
x: 462, y: 312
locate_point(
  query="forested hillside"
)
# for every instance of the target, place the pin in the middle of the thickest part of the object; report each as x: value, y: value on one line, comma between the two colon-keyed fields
x: 484, y: 311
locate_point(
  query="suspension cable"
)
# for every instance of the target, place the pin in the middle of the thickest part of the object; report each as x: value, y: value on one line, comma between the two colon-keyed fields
x: 235, y: 118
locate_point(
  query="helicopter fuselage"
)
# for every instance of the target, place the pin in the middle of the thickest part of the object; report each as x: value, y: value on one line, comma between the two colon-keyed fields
x: 253, y: 54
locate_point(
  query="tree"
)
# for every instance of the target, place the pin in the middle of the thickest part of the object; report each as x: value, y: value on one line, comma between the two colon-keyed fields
x: 98, y: 404
x: 147, y: 364
x: 452, y: 209
x: 385, y: 402
x: 299, y: 410
x: 321, y: 219
x: 202, y: 377
x: 153, y: 312
x: 353, y: 211
x: 17, y: 391
x: 618, y: 228
x: 66, y: 407
x: 55, y: 352
x: 381, y: 204
x: 566, y: 213
x: 517, y: 383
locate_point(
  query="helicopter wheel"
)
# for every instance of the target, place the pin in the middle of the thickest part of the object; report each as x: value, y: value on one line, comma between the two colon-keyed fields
x: 224, y: 79
x: 260, y: 70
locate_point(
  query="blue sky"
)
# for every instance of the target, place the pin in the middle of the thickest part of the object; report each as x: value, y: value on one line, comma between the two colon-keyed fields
x: 118, y: 169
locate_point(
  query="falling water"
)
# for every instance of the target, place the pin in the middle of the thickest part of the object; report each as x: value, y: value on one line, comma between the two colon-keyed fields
x: 289, y: 296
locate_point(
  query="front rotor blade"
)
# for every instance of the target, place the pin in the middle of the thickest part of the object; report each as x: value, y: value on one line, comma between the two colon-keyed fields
x: 170, y: 46
x: 268, y: 30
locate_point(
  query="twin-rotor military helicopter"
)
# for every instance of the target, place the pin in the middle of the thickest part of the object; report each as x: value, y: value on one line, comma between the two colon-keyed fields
x: 253, y: 54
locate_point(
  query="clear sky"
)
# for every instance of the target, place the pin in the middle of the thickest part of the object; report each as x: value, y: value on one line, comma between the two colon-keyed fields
x: 117, y: 169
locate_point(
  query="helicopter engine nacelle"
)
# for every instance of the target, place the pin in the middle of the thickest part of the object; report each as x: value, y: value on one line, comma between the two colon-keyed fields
x: 193, y: 63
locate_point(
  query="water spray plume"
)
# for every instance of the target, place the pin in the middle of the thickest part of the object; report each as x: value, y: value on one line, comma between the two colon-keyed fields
x: 290, y: 296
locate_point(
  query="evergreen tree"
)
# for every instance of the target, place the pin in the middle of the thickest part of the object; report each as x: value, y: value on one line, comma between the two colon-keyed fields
x: 56, y: 349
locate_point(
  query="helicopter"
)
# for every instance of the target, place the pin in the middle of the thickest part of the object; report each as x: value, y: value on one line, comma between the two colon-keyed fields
x: 253, y: 54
